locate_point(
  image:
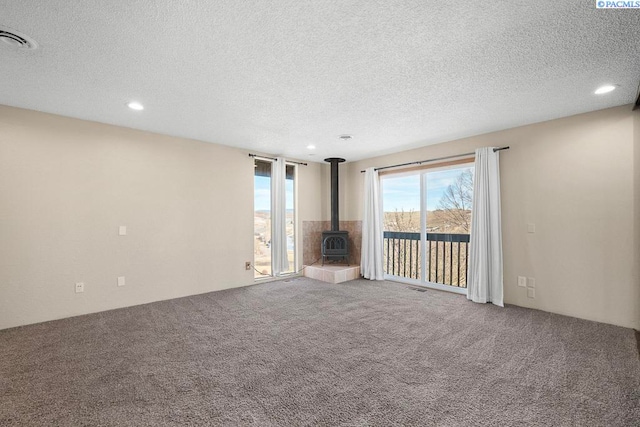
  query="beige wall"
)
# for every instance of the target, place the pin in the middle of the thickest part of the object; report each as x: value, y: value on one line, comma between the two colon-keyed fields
x: 66, y: 186
x: 574, y: 179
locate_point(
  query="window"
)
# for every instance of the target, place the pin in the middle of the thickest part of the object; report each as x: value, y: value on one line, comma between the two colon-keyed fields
x: 290, y: 188
x: 263, y: 215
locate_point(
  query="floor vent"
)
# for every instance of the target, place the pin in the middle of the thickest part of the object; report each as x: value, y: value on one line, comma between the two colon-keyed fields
x: 419, y: 289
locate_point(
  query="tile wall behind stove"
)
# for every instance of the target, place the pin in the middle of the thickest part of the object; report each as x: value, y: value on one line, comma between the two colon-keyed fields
x: 312, y: 238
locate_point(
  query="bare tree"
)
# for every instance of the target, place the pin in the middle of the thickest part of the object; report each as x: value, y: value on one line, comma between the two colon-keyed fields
x: 456, y: 202
x: 402, y: 221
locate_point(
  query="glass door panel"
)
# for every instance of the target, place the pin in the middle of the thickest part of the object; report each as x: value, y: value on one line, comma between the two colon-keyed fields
x: 291, y: 216
x: 448, y: 195
x: 401, y: 224
x: 262, y: 219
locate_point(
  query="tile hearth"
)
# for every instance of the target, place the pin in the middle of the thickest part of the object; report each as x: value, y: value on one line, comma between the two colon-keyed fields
x: 332, y: 273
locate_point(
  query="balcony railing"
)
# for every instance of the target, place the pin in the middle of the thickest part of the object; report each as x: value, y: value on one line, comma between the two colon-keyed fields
x: 447, y: 256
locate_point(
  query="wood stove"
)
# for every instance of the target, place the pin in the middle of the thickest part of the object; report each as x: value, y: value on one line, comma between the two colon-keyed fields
x: 335, y: 246
x: 335, y: 242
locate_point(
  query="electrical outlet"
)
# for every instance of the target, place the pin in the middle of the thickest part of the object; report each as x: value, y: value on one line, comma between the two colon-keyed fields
x: 522, y: 281
x: 531, y: 282
x: 247, y: 265
x: 531, y: 228
x: 79, y: 287
x: 531, y: 292
x: 122, y: 230
x: 121, y: 281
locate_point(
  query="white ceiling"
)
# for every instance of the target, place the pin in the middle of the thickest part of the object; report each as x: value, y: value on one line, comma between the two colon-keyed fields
x: 275, y: 76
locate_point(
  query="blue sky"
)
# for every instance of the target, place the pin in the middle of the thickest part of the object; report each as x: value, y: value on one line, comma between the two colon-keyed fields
x: 262, y: 193
x: 403, y: 192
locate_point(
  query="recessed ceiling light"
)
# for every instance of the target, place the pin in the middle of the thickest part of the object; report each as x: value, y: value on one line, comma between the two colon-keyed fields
x: 135, y: 105
x: 16, y: 39
x: 605, y: 89
x: 11, y: 41
x: 311, y: 147
x: 345, y: 137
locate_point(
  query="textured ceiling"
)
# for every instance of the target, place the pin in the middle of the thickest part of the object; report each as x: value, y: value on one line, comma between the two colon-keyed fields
x: 275, y: 76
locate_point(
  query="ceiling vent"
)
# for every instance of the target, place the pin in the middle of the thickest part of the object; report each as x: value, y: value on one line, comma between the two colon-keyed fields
x: 16, y: 39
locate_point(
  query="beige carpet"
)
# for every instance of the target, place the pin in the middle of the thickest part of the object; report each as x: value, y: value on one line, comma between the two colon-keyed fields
x: 302, y: 352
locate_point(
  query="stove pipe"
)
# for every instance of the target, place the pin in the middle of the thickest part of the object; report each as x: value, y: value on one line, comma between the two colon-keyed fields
x: 335, y: 216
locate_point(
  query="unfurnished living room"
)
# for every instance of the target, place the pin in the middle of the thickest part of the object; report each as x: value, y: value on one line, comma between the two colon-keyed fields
x: 319, y: 213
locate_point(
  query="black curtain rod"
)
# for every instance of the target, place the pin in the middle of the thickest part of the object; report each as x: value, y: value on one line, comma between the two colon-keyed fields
x: 275, y: 160
x: 435, y: 160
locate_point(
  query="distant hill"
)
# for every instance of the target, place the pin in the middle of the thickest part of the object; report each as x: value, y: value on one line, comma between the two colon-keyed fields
x: 438, y: 221
x: 267, y: 212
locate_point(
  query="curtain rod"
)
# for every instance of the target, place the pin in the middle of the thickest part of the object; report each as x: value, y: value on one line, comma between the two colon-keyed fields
x: 275, y: 160
x: 434, y: 160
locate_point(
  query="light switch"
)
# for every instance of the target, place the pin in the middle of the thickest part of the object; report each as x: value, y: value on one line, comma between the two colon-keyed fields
x: 121, y: 281
x: 122, y: 230
x: 531, y: 293
x: 522, y: 281
x: 531, y: 228
x: 531, y: 282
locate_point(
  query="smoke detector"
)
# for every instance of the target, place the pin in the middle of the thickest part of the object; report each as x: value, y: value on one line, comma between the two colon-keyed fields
x: 16, y: 39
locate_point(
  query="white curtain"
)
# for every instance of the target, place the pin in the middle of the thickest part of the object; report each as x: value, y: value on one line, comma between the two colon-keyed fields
x: 279, y: 256
x: 372, y: 249
x: 484, y: 282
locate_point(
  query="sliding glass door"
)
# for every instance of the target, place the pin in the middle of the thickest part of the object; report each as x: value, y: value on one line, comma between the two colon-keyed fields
x: 427, y: 220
